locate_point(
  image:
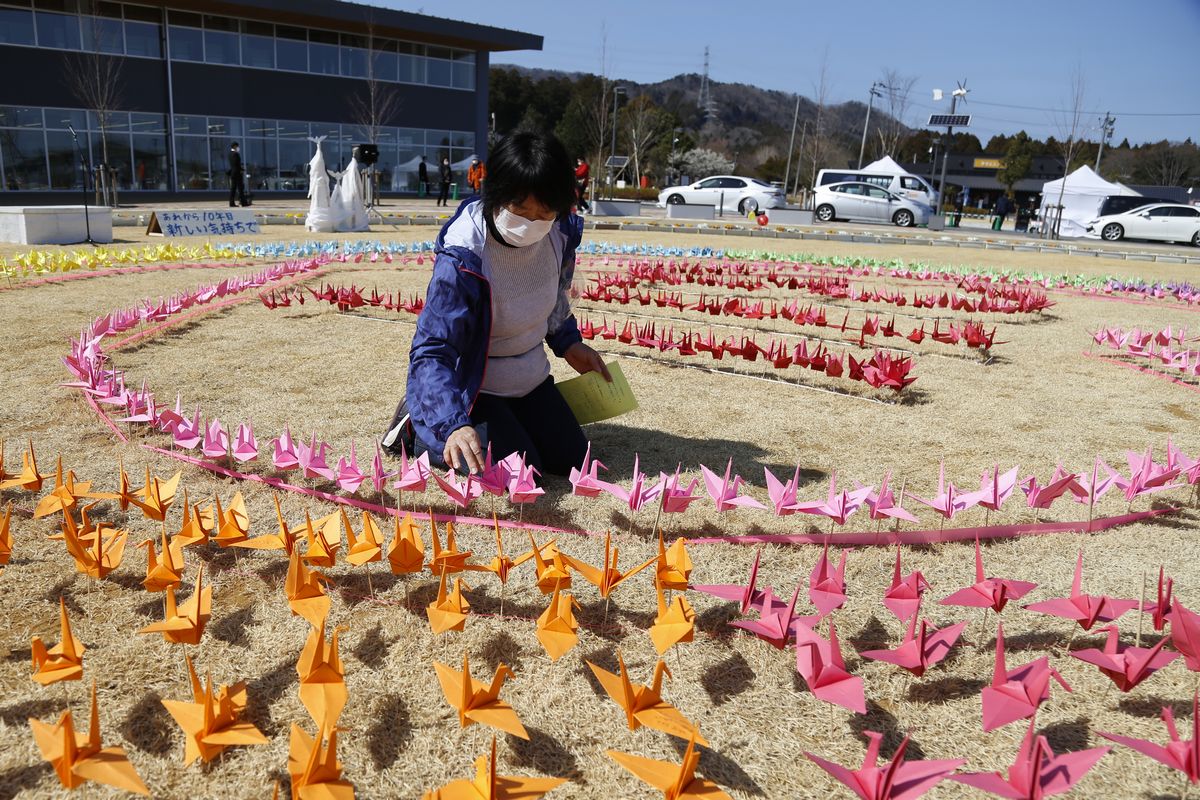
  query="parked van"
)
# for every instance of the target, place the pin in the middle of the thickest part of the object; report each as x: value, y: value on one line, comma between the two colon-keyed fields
x: 907, y: 186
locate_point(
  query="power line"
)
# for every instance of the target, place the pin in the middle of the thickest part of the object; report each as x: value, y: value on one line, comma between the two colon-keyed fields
x: 1072, y: 111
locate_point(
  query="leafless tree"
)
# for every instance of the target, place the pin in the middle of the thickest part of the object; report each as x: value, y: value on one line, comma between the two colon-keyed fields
x: 95, y: 79
x: 376, y: 102
x: 1166, y: 164
x: 896, y: 98
x: 645, y: 123
x: 818, y: 138
x: 1070, y: 124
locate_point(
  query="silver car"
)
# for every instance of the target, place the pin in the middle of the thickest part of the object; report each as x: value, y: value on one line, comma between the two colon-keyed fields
x: 866, y: 202
x: 746, y: 195
x: 1168, y: 222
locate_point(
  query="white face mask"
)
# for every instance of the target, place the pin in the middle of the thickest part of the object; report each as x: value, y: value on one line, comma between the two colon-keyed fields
x: 521, y: 232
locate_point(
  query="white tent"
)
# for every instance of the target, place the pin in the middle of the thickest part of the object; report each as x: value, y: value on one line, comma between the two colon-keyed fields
x: 887, y: 166
x: 1083, y: 191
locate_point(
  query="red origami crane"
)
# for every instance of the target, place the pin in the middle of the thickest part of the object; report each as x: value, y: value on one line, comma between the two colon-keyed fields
x: 1037, y: 772
x: 1125, y: 665
x: 1180, y: 754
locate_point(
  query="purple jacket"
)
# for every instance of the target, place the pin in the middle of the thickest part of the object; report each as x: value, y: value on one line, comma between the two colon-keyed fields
x: 450, y: 348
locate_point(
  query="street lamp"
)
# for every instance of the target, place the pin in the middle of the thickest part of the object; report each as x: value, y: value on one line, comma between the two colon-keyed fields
x: 871, y: 95
x: 612, y: 150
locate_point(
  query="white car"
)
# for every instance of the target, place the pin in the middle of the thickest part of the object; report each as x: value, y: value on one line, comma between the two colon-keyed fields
x: 1168, y: 222
x: 744, y: 195
x: 866, y: 202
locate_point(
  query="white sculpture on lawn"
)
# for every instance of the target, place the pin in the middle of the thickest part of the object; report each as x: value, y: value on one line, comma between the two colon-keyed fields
x: 349, y: 209
x: 320, y: 215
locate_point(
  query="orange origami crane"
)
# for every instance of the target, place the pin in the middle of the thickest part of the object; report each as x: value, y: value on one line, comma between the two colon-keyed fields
x: 675, y: 781
x: 197, y: 525
x: 490, y: 786
x: 166, y: 573
x: 28, y: 478
x: 6, y: 542
x: 365, y: 548
x: 77, y: 758
x: 557, y: 629
x: 210, y: 721
x: 185, y: 624
x: 501, y: 565
x: 553, y: 571
x: 3, y: 475
x: 104, y: 552
x: 316, y: 772
x: 157, y: 496
x: 448, y: 613
x: 477, y: 702
x: 406, y: 554
x: 124, y: 494
x: 64, y: 661
x: 284, y: 540
x: 675, y: 623
x: 65, y: 495
x: 323, y: 538
x: 607, y: 577
x: 644, y: 704
x: 322, y: 678
x: 233, y: 524
x: 305, y: 595
x: 450, y: 558
x: 674, y: 568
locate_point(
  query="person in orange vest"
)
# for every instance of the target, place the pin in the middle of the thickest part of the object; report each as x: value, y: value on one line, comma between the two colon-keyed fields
x: 476, y: 174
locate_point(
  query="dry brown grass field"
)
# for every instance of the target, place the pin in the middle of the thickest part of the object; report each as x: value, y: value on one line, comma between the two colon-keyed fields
x: 1038, y: 403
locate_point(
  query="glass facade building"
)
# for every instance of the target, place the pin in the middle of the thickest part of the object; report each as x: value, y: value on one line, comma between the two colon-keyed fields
x: 190, y: 81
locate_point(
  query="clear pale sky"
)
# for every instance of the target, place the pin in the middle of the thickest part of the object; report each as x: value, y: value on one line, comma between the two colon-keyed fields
x: 1140, y: 60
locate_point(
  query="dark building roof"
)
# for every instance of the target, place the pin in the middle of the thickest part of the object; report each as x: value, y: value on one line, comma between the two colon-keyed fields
x: 359, y: 18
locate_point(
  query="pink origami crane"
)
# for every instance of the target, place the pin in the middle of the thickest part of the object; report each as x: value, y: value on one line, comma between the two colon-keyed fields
x: 882, y: 504
x: 776, y: 621
x: 1145, y: 476
x: 1092, y: 488
x: 747, y: 596
x: 1126, y: 665
x: 949, y: 500
x: 1180, y: 754
x: 285, y: 451
x: 189, y: 434
x: 821, y: 665
x: 1160, y: 608
x: 495, y: 476
x: 413, y: 475
x: 676, y: 499
x: 1037, y: 772
x: 783, y: 495
x: 245, y: 446
x: 897, y: 780
x: 312, y: 459
x: 216, y: 441
x: 1016, y: 694
x: 1042, y: 497
x: 838, y: 506
x: 379, y: 476
x: 993, y: 593
x: 1185, y: 634
x: 349, y: 476
x: 522, y: 485
x: 994, y: 491
x: 724, y: 490
x: 903, y: 597
x: 461, y: 494
x: 922, y: 648
x: 1085, y: 609
x: 585, y: 481
x: 638, y: 493
x: 827, y: 587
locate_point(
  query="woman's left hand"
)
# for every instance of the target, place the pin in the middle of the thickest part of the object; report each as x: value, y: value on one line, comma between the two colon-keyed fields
x: 584, y: 359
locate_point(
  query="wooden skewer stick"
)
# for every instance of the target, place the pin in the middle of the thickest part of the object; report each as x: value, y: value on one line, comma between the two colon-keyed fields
x: 1141, y: 616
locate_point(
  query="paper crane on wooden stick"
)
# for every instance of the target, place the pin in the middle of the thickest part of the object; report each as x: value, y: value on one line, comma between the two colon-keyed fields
x: 1126, y: 665
x: 28, y: 479
x: 724, y: 490
x: 993, y: 593
x: 673, y: 569
x: 898, y: 779
x: 748, y: 596
x: 1016, y: 694
x: 675, y: 622
x: 165, y: 572
x: 314, y: 767
x: 827, y: 585
x: 1185, y: 634
x: 923, y: 647
x: 77, y: 758
x: 1178, y: 753
x: 197, y: 524
x: 185, y: 624
x: 819, y: 661
x: 322, y: 677
x: 63, y: 661
x: 448, y: 559
x: 1084, y: 609
x: 1037, y: 772
x: 284, y: 539
x: 157, y: 496
x: 488, y: 785
x: 210, y: 721
x: 557, y: 629
x: 65, y: 495
x: 675, y: 781
x: 306, y: 596
x: 903, y: 596
x: 776, y: 621
x: 553, y: 571
x: 102, y: 555
x: 643, y: 705
x: 607, y: 577
x: 448, y: 612
x: 478, y: 702
x: 232, y: 524
x: 323, y: 539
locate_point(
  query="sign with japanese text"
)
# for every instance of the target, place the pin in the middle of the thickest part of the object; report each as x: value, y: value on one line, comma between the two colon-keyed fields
x: 216, y: 222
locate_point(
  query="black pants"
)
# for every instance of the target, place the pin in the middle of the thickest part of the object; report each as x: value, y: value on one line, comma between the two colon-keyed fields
x: 237, y: 187
x: 444, y: 194
x: 540, y: 425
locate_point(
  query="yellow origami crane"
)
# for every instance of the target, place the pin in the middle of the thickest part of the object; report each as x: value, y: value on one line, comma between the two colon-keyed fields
x: 64, y: 661
x: 197, y: 524
x: 185, y: 624
x: 477, y: 702
x: 406, y: 554
x: 233, y: 525
x: 157, y: 496
x: 674, y: 567
x: 65, y: 495
x: 97, y: 550
x: 449, y: 559
x: 643, y: 705
x: 77, y: 758
x: 448, y: 613
x: 607, y: 577
x: 553, y: 571
x: 675, y: 781
x: 305, y: 595
x: 557, y: 629
x: 210, y: 721
x: 284, y: 540
x: 365, y: 548
x: 490, y: 786
x: 322, y: 678
x: 316, y: 772
x: 6, y: 542
x: 28, y: 478
x: 324, y: 537
x: 167, y: 572
x: 675, y: 623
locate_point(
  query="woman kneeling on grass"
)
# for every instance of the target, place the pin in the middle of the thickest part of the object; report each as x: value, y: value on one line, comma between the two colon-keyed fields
x: 478, y: 371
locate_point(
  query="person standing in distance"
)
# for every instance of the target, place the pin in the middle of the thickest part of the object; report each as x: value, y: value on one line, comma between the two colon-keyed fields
x: 422, y: 178
x: 447, y: 177
x: 237, y: 177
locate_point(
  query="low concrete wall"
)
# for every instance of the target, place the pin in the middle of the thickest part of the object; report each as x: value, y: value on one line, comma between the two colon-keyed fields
x: 788, y: 216
x: 54, y: 224
x: 691, y: 211
x: 616, y: 208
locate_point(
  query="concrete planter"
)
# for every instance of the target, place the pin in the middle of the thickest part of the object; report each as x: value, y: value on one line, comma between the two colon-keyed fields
x: 54, y: 224
x: 616, y: 208
x: 691, y: 211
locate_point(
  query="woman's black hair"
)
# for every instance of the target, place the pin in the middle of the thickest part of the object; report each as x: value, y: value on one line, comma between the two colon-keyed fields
x: 528, y: 164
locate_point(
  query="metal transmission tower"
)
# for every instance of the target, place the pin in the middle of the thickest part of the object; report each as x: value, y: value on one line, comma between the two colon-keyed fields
x: 706, y: 101
x: 1106, y: 131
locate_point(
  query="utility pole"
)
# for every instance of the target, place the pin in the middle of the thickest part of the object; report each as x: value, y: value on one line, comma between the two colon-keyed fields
x: 787, y: 173
x: 612, y: 150
x: 871, y: 95
x: 961, y: 91
x: 1106, y: 132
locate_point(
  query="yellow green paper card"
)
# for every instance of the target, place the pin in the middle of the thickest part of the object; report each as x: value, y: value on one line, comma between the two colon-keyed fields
x: 592, y: 398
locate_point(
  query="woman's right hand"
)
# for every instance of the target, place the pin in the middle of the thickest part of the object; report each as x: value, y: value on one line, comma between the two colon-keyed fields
x: 463, y: 449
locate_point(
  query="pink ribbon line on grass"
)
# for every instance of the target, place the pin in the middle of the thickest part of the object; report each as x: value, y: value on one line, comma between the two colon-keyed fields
x: 1153, y: 373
